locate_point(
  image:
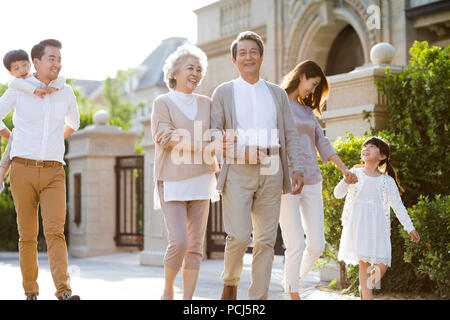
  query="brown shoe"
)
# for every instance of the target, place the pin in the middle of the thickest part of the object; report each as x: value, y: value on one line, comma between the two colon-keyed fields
x: 229, y: 292
x: 66, y: 296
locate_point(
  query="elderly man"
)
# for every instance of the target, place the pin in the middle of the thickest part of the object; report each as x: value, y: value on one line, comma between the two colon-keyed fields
x: 259, y: 114
x: 37, y: 173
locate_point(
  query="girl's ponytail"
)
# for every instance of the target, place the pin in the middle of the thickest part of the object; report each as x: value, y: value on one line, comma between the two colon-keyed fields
x: 389, y: 169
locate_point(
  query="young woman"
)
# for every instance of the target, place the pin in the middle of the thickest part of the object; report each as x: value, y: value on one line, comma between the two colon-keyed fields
x: 307, y: 89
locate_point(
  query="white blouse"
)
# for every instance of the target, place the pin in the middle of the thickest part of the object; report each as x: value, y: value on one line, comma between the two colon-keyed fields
x: 197, y: 188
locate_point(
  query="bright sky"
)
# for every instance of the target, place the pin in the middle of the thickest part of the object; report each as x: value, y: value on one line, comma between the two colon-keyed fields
x: 99, y: 37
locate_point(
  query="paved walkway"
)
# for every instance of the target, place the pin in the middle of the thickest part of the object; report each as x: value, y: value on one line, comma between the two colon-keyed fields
x: 120, y: 277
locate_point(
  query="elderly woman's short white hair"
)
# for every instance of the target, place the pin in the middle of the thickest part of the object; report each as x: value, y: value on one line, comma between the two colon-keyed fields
x: 175, y: 60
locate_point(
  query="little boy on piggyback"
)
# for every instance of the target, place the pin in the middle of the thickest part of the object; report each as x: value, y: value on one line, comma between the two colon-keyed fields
x: 18, y: 65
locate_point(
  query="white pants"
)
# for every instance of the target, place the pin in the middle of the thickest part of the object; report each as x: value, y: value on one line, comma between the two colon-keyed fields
x: 299, y: 215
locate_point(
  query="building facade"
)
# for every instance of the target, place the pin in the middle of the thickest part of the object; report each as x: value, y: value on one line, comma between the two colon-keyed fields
x: 337, y: 34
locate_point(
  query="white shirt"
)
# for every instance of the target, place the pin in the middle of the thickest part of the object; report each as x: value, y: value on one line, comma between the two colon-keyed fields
x: 197, y: 188
x: 256, y: 114
x: 39, y: 123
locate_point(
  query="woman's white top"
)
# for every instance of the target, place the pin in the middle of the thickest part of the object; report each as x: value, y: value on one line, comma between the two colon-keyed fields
x: 197, y: 188
x: 366, y: 218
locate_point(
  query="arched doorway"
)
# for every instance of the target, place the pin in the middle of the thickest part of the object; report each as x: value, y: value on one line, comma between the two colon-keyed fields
x: 322, y: 30
x: 346, y: 52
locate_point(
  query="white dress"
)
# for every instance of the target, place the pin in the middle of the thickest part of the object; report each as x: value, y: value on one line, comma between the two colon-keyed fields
x: 366, y: 236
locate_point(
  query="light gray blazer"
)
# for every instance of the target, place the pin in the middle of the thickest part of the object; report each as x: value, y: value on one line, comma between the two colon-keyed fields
x: 223, y: 116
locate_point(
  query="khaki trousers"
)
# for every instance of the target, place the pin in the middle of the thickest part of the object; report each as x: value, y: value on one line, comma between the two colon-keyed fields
x: 186, y: 223
x: 251, y: 201
x: 32, y: 186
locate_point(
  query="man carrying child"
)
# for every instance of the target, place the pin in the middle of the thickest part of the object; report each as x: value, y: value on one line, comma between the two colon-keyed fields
x: 41, y: 123
x: 18, y: 65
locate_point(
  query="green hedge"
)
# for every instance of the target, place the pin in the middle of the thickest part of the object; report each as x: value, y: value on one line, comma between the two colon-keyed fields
x: 8, y: 228
x: 418, y: 120
x: 432, y: 254
x: 417, y: 129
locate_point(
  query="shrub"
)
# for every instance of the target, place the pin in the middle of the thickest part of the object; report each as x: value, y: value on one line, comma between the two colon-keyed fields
x: 417, y: 129
x: 418, y: 119
x: 8, y: 227
x: 432, y: 254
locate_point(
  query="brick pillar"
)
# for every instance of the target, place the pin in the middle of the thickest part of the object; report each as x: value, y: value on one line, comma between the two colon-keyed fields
x: 91, y: 160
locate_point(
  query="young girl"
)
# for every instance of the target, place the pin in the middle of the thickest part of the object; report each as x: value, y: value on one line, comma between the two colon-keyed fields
x: 365, y: 236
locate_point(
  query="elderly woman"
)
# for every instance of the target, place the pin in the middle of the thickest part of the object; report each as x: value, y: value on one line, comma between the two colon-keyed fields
x: 185, y: 181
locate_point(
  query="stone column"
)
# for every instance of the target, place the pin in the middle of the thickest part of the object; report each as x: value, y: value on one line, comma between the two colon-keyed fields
x: 155, y: 235
x: 91, y: 159
x: 355, y: 93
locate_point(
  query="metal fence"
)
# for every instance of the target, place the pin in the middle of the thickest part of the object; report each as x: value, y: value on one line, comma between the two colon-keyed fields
x: 130, y: 201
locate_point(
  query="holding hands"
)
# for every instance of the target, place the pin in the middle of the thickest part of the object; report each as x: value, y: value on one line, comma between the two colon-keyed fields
x: 350, y: 177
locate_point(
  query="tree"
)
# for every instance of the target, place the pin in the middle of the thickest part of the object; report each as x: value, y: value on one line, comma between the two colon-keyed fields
x: 121, y: 112
x: 418, y: 121
x: 85, y: 104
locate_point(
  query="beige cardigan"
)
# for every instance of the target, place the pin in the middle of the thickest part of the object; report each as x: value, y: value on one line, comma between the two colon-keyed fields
x: 166, y: 117
x: 223, y: 116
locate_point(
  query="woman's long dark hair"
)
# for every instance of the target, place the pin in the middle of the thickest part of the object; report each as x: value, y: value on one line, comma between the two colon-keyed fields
x: 385, y: 165
x: 310, y: 69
